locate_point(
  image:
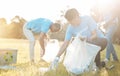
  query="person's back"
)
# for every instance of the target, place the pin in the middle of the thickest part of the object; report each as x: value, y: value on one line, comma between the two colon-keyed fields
x: 38, y: 25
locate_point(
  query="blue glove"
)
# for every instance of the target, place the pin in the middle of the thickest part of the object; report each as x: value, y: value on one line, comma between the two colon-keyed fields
x: 54, y: 64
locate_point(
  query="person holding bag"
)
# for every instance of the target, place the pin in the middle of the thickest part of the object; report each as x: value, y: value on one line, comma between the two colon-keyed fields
x: 79, y: 23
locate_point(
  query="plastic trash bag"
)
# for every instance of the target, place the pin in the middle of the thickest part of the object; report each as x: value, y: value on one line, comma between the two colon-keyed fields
x: 79, y: 56
x: 51, y: 49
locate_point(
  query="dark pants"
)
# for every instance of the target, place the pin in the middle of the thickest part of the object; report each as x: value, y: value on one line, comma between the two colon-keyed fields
x: 102, y: 42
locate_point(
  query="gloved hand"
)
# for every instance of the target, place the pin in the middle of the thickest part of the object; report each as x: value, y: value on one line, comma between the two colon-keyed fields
x: 54, y: 64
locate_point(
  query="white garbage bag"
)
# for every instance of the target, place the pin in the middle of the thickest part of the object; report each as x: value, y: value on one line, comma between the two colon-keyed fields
x: 79, y: 56
x: 51, y: 49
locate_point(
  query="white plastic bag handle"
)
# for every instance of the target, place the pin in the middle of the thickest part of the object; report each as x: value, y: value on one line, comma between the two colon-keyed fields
x: 82, y: 38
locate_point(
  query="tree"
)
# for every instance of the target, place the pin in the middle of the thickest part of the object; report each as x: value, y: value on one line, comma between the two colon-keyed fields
x: 12, y: 30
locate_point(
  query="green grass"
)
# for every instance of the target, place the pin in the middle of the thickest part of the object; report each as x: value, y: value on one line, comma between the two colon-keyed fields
x: 24, y: 68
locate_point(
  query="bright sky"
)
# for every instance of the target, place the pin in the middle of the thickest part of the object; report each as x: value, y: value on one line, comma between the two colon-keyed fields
x: 31, y: 9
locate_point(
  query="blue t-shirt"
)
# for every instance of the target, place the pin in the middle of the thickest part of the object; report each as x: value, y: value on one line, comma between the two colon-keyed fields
x: 39, y: 25
x: 85, y: 28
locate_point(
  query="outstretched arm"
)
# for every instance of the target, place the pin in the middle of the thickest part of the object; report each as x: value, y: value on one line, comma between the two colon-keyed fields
x: 62, y: 49
x: 41, y: 42
x: 54, y: 64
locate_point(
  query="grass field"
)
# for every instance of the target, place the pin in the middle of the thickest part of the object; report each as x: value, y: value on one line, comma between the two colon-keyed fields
x: 24, y: 68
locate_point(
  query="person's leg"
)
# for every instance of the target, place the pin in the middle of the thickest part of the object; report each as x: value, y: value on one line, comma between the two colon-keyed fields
x: 97, y: 59
x: 115, y: 57
x: 110, y: 48
x: 29, y: 35
x: 102, y: 42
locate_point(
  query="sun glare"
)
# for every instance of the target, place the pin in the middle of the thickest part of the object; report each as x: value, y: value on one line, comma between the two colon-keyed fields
x: 105, y: 4
x: 83, y: 6
x: 41, y: 8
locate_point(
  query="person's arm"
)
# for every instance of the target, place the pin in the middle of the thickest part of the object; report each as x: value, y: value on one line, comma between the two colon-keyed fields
x: 41, y: 42
x: 68, y: 37
x: 63, y: 47
x: 54, y: 64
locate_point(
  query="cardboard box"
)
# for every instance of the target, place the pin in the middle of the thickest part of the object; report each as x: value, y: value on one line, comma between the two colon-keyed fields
x: 8, y: 56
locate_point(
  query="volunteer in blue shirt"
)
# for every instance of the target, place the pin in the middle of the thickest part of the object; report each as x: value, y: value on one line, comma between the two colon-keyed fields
x: 111, y: 24
x: 38, y: 26
x: 88, y: 29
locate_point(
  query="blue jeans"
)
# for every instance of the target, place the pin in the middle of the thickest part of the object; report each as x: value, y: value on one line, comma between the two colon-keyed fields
x: 110, y: 48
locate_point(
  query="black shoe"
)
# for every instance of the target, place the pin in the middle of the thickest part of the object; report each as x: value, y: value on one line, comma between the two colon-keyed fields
x: 103, y: 64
